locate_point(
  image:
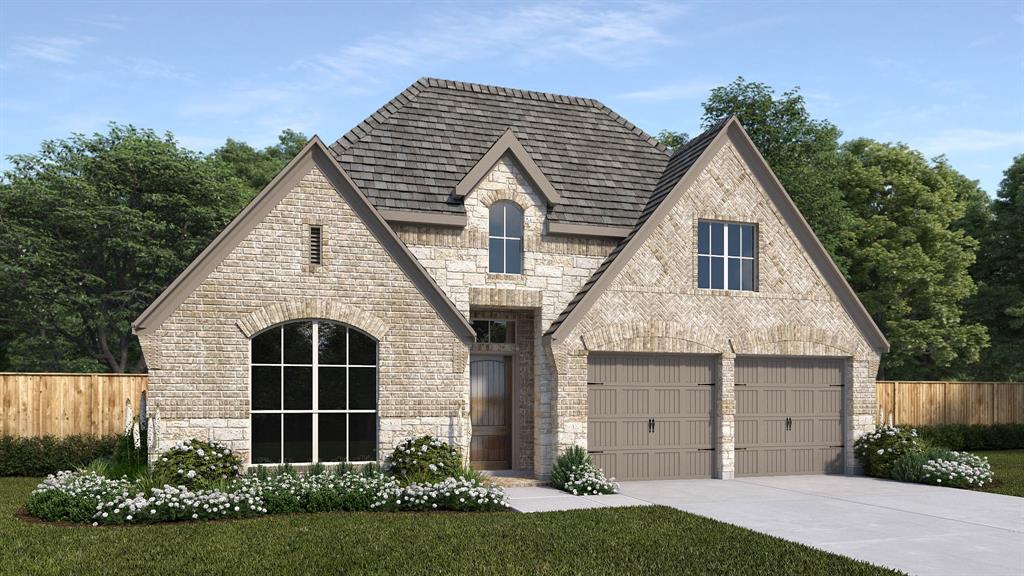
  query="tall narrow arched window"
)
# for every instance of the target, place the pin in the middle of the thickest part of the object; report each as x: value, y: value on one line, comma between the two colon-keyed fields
x: 505, y: 239
x: 313, y: 394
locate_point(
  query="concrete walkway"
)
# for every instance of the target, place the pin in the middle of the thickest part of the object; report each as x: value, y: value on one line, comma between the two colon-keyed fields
x: 911, y: 527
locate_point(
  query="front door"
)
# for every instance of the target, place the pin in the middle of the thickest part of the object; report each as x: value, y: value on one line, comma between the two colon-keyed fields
x: 490, y: 413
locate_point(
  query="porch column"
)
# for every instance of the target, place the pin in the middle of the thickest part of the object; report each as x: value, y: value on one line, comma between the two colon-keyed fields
x: 725, y: 419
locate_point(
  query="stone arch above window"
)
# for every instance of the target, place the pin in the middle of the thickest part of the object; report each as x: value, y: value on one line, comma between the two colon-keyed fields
x: 652, y: 336
x: 281, y: 312
x: 793, y: 339
x: 505, y: 238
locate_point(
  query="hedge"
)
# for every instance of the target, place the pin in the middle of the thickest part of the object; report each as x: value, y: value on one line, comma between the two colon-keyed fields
x: 974, y: 436
x: 42, y: 455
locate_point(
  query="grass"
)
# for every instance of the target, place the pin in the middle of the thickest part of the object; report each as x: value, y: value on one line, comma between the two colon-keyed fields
x: 654, y: 540
x: 1008, y: 467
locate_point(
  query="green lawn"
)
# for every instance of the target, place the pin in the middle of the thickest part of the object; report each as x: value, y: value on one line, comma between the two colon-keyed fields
x: 1008, y: 467
x: 653, y: 540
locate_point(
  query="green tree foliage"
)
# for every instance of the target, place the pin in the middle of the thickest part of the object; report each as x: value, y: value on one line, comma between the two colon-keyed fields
x: 92, y: 228
x: 673, y: 140
x: 255, y: 167
x: 999, y: 304
x: 802, y: 151
x: 910, y: 262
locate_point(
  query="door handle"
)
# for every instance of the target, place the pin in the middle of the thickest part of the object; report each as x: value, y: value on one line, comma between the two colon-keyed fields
x: 789, y: 424
x: 650, y: 425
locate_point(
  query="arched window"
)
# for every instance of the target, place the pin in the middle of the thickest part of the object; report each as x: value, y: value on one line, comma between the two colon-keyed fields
x: 505, y: 239
x: 313, y: 394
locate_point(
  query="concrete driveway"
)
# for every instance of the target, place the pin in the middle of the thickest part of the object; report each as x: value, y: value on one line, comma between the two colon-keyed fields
x: 915, y: 528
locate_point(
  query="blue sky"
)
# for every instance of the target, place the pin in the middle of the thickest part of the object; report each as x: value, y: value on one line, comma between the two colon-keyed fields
x: 944, y: 77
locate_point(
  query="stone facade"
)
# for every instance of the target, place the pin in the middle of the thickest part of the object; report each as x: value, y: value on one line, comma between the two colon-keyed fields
x: 199, y: 356
x: 654, y: 305
x: 554, y: 270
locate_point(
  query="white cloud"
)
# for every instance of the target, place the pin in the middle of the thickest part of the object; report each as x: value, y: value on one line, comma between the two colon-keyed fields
x: 59, y: 49
x: 970, y: 139
x: 617, y: 37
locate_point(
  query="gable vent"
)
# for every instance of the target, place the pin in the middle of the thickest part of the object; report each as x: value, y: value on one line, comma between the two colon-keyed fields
x: 315, y: 243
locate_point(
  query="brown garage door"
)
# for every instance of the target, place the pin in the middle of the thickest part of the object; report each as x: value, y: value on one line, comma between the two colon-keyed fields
x: 649, y: 416
x: 789, y: 416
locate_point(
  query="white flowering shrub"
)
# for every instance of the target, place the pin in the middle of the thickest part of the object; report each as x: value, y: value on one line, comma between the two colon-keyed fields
x: 172, y: 503
x: 959, y: 470
x: 348, y: 490
x: 575, y: 472
x: 196, y: 463
x: 449, y: 494
x: 88, y: 497
x: 73, y: 496
x: 425, y: 459
x: 878, y: 451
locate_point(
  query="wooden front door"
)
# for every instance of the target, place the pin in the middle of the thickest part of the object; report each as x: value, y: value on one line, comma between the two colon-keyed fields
x: 490, y: 412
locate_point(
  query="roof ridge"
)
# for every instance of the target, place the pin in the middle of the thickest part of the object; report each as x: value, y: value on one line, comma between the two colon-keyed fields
x: 507, y: 91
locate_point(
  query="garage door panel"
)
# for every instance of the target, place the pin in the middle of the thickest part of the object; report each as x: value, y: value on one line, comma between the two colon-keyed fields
x: 628, y: 391
x: 747, y: 432
x: 602, y: 401
x: 601, y: 435
x: 805, y: 391
x: 830, y: 400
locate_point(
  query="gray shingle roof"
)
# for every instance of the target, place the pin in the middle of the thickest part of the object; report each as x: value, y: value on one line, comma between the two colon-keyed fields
x: 678, y: 165
x: 410, y: 154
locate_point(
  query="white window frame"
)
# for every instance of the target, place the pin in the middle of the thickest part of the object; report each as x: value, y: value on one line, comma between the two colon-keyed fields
x: 505, y: 205
x: 726, y: 257
x: 315, y: 411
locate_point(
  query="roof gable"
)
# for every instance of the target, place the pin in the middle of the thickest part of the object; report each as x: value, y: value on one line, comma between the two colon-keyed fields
x: 410, y: 154
x: 683, y: 169
x: 508, y: 144
x: 314, y: 154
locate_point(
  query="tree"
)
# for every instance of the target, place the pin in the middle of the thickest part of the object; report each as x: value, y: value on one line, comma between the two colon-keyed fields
x: 673, y: 140
x: 999, y: 304
x: 802, y: 151
x: 258, y: 167
x: 910, y: 262
x: 91, y: 230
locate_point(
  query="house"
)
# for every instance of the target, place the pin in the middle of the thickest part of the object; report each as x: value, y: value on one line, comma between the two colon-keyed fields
x: 517, y: 272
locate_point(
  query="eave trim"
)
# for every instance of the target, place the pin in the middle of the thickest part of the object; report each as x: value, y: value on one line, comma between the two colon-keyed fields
x: 508, y: 143
x: 313, y: 154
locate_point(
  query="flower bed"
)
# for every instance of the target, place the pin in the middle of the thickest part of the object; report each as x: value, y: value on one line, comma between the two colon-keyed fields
x: 898, y: 453
x: 85, y: 496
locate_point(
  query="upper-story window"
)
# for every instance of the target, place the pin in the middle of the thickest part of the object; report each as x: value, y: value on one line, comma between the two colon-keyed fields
x: 726, y: 256
x: 505, y: 239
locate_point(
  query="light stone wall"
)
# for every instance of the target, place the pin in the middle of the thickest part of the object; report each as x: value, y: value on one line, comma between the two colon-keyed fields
x: 654, y: 305
x: 199, y: 357
x: 554, y: 270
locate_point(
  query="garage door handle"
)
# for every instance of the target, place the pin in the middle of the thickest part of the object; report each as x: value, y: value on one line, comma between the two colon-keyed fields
x: 789, y: 424
x: 650, y: 425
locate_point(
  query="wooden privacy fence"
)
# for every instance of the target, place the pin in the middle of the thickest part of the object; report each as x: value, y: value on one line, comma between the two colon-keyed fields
x: 928, y: 403
x: 65, y: 404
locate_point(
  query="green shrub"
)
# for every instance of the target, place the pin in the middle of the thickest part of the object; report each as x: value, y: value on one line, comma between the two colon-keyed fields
x: 575, y: 472
x: 974, y: 437
x: 879, y: 450
x: 42, y: 455
x: 424, y: 460
x: 197, y: 463
x: 910, y: 466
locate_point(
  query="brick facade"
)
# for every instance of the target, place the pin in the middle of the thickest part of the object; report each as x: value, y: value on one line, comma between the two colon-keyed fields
x: 199, y: 356
x: 654, y: 305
